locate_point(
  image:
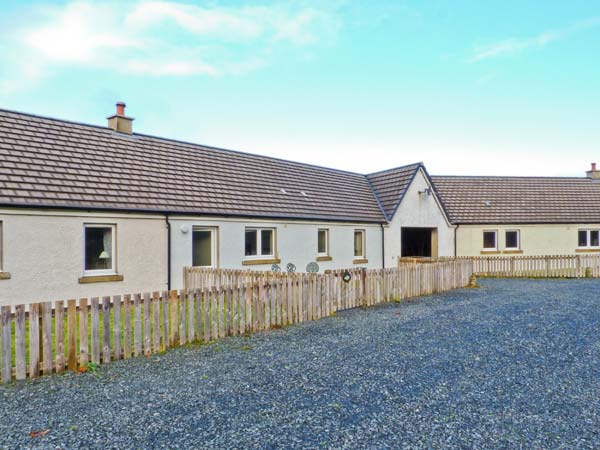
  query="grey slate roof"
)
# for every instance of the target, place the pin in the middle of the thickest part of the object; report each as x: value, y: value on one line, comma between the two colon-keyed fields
x: 48, y: 162
x: 54, y: 163
x: 514, y: 200
x: 391, y: 185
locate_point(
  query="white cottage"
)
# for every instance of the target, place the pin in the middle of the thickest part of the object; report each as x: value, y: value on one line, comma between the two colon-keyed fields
x: 529, y: 216
x: 90, y: 211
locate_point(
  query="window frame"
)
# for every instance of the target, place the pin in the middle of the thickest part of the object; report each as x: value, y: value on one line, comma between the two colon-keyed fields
x: 489, y: 249
x: 113, y: 269
x: 214, y: 242
x: 259, y: 254
x: 518, y: 247
x: 588, y: 238
x: 326, y: 230
x: 364, y: 243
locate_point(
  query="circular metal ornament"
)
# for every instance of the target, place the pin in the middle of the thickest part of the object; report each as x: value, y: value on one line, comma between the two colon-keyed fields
x: 347, y: 276
x: 312, y: 267
x: 275, y: 268
x: 291, y: 268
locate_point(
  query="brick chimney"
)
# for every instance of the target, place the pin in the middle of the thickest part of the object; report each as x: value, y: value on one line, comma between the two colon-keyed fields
x: 594, y: 173
x: 119, y: 121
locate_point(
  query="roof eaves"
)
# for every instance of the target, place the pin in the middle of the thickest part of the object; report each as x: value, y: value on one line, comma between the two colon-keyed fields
x: 191, y: 213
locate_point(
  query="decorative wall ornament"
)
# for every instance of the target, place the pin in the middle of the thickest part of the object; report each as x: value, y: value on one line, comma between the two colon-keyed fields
x: 291, y: 268
x: 275, y: 268
x: 312, y: 267
x: 347, y: 276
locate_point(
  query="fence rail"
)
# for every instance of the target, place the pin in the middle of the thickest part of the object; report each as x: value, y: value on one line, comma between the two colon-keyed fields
x: 552, y: 266
x: 45, y: 338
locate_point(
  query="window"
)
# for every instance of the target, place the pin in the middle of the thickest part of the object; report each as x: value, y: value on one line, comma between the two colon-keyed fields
x: 512, y: 239
x: 259, y: 242
x: 99, y: 249
x: 323, y: 242
x: 588, y: 238
x: 203, y: 247
x: 359, y: 243
x: 489, y: 240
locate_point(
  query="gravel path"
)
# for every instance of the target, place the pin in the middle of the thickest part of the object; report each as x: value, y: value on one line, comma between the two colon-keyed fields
x: 514, y: 364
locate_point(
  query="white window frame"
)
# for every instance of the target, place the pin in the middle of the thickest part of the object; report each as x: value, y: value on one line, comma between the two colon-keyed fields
x: 518, y: 247
x: 259, y: 255
x: 588, y: 238
x: 113, y: 241
x: 214, y: 236
x: 489, y: 249
x: 326, y: 230
x: 364, y: 244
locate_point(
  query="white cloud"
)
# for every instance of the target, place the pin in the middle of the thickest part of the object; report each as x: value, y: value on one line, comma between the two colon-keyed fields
x: 157, y: 38
x: 78, y: 34
x: 247, y: 23
x: 516, y: 45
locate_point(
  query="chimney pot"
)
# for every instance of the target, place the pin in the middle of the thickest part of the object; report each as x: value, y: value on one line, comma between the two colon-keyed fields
x: 594, y: 173
x: 119, y: 121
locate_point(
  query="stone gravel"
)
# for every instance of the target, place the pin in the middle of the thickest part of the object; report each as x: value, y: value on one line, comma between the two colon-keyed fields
x: 513, y: 364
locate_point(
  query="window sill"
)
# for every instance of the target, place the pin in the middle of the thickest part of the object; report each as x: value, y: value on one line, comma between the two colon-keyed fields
x: 587, y: 250
x: 490, y: 252
x: 4, y: 275
x: 324, y: 258
x: 513, y: 252
x: 259, y: 262
x: 360, y: 261
x: 100, y: 278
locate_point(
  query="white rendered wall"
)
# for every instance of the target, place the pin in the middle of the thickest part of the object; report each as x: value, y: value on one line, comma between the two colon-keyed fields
x: 44, y: 251
x: 296, y: 243
x: 418, y: 210
x: 546, y: 239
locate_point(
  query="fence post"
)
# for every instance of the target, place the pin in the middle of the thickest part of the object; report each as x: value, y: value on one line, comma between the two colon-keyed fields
x: 363, y: 276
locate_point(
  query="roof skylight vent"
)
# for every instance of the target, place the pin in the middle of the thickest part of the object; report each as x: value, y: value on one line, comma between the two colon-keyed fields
x: 487, y: 203
x: 283, y: 191
x: 304, y: 194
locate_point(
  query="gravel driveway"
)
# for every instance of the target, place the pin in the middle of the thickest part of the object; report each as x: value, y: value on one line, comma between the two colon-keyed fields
x: 513, y: 364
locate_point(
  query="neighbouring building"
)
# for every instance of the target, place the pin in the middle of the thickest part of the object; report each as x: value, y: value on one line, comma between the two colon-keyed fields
x: 504, y: 216
x: 90, y: 211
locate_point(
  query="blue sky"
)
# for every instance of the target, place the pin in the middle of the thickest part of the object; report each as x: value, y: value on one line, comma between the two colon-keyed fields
x: 468, y: 87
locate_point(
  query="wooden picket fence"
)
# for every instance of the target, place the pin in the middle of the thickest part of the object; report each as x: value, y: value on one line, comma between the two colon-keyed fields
x: 551, y: 266
x: 554, y: 266
x: 51, y: 337
x: 366, y: 287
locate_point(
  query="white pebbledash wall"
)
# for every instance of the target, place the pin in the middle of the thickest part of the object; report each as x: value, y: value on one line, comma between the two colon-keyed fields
x: 43, y: 252
x: 418, y: 210
x: 296, y: 242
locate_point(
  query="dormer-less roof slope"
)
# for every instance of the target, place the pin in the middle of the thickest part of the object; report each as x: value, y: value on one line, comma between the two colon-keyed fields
x: 391, y: 185
x: 515, y: 200
x: 52, y: 163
